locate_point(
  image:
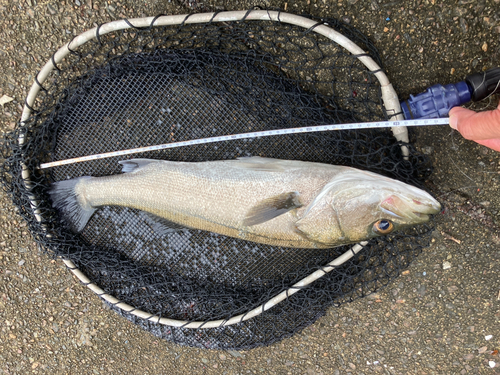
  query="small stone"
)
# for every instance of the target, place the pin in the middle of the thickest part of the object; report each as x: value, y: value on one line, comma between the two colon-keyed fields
x: 421, y: 290
x: 21, y: 262
x: 482, y: 349
x: 386, y: 29
x: 485, y: 47
x: 222, y: 357
x: 464, y: 26
x: 429, y: 20
x: 427, y: 150
x: 52, y: 9
x: 446, y: 265
x: 488, y: 337
x: 5, y: 99
x: 468, y: 357
x: 111, y: 11
x: 452, y: 71
x: 452, y: 288
x: 492, y: 364
x: 235, y: 354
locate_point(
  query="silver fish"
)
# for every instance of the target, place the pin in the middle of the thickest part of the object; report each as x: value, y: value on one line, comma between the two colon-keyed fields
x: 278, y: 202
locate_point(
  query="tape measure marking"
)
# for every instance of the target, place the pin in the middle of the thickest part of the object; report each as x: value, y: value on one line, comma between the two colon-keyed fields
x: 265, y: 133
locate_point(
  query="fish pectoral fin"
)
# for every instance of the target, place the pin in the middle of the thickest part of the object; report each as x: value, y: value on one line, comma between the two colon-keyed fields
x: 161, y: 225
x: 132, y: 165
x: 272, y: 207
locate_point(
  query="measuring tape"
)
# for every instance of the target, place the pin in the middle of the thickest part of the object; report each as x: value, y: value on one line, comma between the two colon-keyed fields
x: 265, y: 133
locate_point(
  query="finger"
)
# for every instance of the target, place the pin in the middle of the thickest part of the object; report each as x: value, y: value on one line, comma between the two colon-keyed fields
x: 461, y: 114
x: 494, y: 144
x: 476, y: 126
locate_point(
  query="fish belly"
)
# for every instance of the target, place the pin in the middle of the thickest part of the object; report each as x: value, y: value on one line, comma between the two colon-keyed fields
x: 215, y: 196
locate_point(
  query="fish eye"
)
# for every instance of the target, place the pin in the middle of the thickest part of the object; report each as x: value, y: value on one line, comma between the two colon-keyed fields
x: 383, y: 226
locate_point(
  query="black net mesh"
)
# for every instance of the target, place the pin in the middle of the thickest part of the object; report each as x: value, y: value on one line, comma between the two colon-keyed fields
x: 158, y: 85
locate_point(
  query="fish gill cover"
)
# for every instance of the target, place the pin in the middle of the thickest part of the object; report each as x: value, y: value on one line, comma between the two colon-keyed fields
x: 140, y: 87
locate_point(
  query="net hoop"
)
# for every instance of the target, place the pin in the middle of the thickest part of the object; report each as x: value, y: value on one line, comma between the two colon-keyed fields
x: 389, y: 98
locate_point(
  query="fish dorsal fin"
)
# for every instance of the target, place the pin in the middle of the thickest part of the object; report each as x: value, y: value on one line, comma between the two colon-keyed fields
x: 133, y: 165
x: 258, y: 163
x: 272, y: 207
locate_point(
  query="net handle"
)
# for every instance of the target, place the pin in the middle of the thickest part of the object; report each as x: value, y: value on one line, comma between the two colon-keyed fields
x: 389, y: 97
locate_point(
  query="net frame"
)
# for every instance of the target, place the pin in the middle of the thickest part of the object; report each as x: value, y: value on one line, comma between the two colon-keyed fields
x: 389, y: 98
x: 142, y: 317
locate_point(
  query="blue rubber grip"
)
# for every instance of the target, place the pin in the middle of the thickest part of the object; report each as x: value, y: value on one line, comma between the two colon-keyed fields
x: 436, y: 101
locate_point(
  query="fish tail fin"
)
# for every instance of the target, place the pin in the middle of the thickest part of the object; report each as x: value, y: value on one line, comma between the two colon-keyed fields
x: 65, y: 200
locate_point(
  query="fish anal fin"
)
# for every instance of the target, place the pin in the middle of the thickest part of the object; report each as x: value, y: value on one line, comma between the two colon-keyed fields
x: 272, y: 207
x: 161, y: 225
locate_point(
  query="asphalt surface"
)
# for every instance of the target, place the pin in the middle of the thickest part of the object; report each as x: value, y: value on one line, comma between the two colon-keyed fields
x: 441, y: 316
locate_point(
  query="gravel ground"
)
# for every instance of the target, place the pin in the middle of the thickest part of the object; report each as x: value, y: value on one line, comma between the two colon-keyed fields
x: 441, y: 316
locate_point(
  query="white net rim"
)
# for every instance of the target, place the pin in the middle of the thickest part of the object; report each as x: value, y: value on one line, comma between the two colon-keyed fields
x: 389, y: 97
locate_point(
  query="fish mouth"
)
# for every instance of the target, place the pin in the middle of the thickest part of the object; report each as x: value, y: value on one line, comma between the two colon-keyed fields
x: 421, y: 216
x: 410, y: 210
x: 406, y: 216
x: 430, y: 207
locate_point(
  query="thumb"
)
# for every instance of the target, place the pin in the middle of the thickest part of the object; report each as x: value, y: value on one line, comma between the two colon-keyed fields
x: 476, y: 126
x: 491, y: 143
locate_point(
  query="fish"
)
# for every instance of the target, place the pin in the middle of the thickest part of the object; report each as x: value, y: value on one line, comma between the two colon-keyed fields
x: 287, y: 203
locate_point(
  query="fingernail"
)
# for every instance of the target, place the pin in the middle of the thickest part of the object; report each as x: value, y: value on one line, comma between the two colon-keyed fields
x: 453, y: 122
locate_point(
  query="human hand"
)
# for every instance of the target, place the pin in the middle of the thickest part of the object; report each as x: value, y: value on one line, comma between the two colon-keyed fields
x: 481, y: 127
